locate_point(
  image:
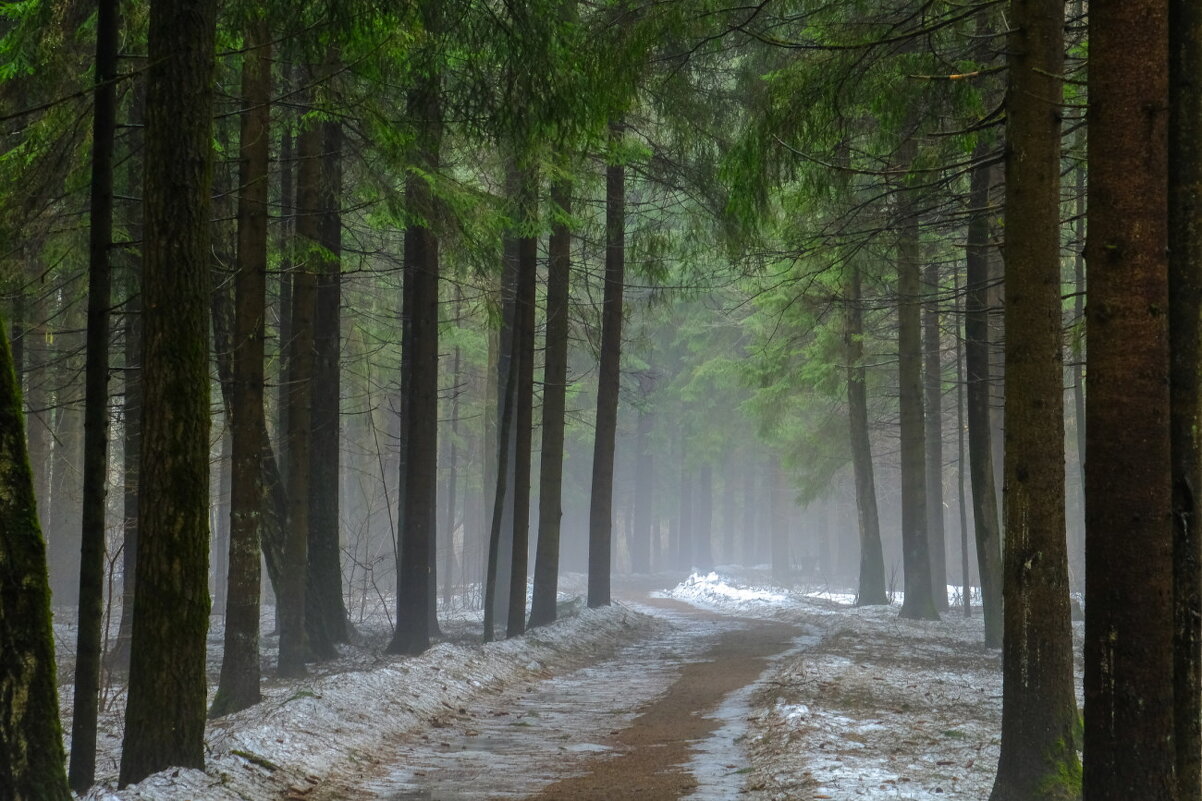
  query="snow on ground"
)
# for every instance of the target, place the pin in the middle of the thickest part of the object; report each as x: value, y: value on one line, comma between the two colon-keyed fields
x: 305, y: 729
x: 876, y: 708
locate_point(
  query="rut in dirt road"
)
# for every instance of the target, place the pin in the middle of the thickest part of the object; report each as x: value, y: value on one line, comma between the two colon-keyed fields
x: 643, y: 724
x: 657, y: 746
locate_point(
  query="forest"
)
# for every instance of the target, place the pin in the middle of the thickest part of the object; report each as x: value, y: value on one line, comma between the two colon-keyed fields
x: 462, y: 399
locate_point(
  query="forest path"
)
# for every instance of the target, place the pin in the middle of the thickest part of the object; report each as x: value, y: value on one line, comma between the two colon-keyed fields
x: 660, y: 720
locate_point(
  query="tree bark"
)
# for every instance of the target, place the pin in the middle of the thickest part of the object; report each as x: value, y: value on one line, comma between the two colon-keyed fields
x: 420, y: 518
x: 1039, y: 709
x: 238, y: 687
x: 90, y: 637
x: 555, y: 384
x: 1185, y: 341
x: 325, y: 554
x: 292, y: 599
x: 933, y: 429
x: 918, y: 603
x: 31, y: 741
x: 1129, y: 541
x: 165, y: 712
x: 980, y: 433
x: 524, y: 344
x: 608, y: 383
x: 872, y: 560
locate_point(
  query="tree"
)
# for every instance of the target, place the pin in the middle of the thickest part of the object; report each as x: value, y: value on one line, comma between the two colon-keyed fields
x: 919, y: 602
x: 31, y: 741
x: 96, y: 428
x: 523, y: 343
x: 608, y: 383
x: 165, y: 713
x: 1185, y: 342
x: 1129, y: 716
x: 872, y: 560
x: 932, y: 386
x: 238, y: 687
x: 420, y: 407
x: 555, y: 380
x: 1039, y: 710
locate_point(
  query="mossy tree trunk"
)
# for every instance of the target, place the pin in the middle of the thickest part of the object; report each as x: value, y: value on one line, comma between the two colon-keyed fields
x: 165, y: 713
x: 32, y: 762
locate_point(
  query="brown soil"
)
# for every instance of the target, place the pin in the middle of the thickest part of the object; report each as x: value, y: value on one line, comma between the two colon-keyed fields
x: 655, y: 747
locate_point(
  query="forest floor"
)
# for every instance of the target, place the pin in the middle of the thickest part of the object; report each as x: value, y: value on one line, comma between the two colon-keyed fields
x: 720, y: 687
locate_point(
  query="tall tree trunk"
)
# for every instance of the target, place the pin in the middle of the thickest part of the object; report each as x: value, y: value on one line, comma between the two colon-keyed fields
x: 286, y: 242
x: 781, y: 501
x: 292, y: 591
x: 980, y: 432
x: 1039, y: 709
x: 131, y: 412
x: 420, y: 518
x: 961, y: 462
x: 524, y: 419
x: 704, y: 548
x: 555, y: 384
x: 238, y: 686
x: 933, y: 422
x: 644, y: 486
x: 31, y: 741
x: 918, y: 603
x: 872, y: 559
x: 751, y: 553
x: 96, y: 429
x: 1185, y: 293
x: 600, y: 546
x: 684, y: 544
x: 325, y: 555
x: 448, y: 548
x: 496, y: 587
x: 165, y: 711
x: 1129, y: 549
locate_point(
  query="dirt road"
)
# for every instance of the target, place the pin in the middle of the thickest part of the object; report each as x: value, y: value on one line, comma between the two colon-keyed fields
x: 658, y: 721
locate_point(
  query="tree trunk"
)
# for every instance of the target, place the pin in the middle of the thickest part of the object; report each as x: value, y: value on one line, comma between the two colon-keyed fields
x: 420, y: 518
x: 980, y: 433
x: 600, y: 546
x: 1039, y: 709
x: 961, y: 462
x: 238, y: 687
x: 872, y: 560
x: 325, y: 555
x: 524, y: 353
x: 933, y: 429
x: 918, y: 603
x: 96, y: 396
x: 703, y: 545
x: 165, y: 712
x: 1185, y: 293
x: 1129, y: 549
x: 31, y: 741
x: 292, y: 591
x: 644, y: 487
x: 555, y: 384
x: 131, y: 411
x: 781, y: 500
